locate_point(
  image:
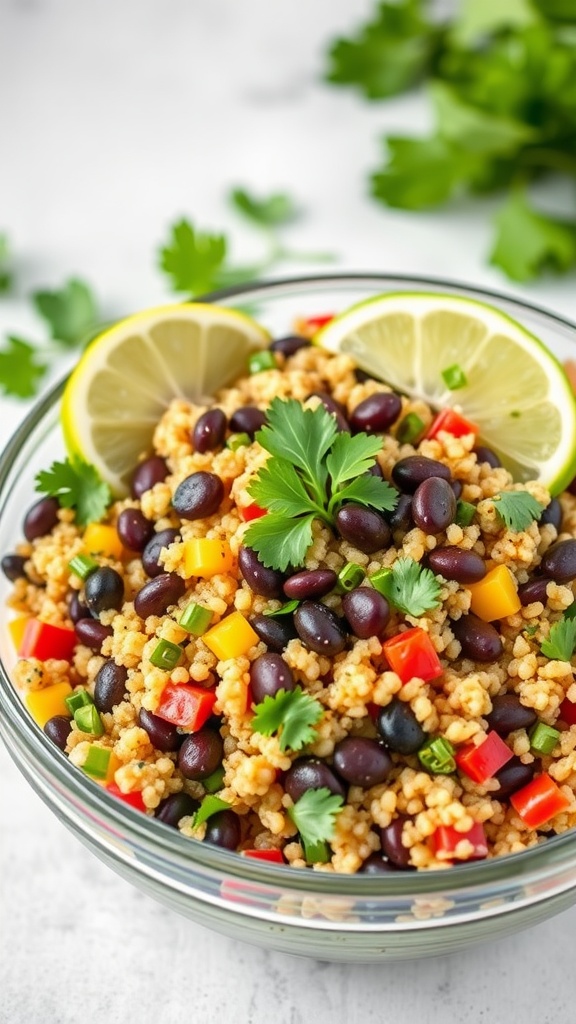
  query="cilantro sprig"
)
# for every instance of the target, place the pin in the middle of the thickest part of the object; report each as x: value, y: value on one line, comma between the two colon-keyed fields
x: 76, y: 484
x: 314, y: 815
x: 291, y: 714
x: 313, y: 469
x: 561, y: 640
x: 409, y: 586
x: 517, y: 509
x: 5, y: 264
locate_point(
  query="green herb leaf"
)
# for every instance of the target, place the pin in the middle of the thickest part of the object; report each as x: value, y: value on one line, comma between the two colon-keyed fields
x: 292, y: 714
x: 269, y: 212
x: 478, y: 18
x: 5, y: 258
x: 193, y: 259
x: 409, y: 586
x: 314, y: 815
x: 528, y: 242
x: 300, y: 436
x: 472, y: 129
x: 20, y: 372
x: 351, y: 456
x: 70, y: 311
x: 371, y: 491
x: 280, y: 541
x: 76, y: 484
x: 419, y: 173
x: 561, y: 640
x: 279, y: 489
x: 517, y: 509
x: 210, y: 805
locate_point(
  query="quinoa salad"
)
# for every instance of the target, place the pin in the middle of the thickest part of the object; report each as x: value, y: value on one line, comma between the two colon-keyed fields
x: 326, y: 628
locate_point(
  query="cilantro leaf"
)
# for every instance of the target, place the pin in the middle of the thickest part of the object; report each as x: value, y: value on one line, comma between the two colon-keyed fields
x: 473, y: 129
x: 193, y: 259
x: 5, y: 273
x: 528, y: 242
x: 20, y: 373
x: 76, y: 484
x: 271, y: 211
x: 210, y: 805
x: 561, y: 640
x: 314, y: 815
x: 351, y: 456
x: 279, y: 489
x: 477, y: 18
x: 371, y: 491
x: 70, y: 311
x: 517, y: 509
x: 419, y: 173
x: 292, y: 714
x: 280, y: 541
x: 409, y: 586
x: 301, y: 436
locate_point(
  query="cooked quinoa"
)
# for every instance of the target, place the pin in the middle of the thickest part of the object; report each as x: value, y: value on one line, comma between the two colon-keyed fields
x: 395, y: 823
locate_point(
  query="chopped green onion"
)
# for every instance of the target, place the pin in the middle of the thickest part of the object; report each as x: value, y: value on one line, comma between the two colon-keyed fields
x: 382, y: 581
x: 88, y: 720
x: 214, y: 782
x: 350, y: 577
x: 96, y: 764
x: 82, y: 566
x: 209, y: 806
x: 410, y: 429
x: 465, y: 513
x: 166, y: 655
x: 78, y: 699
x: 286, y: 609
x: 195, y: 618
x: 265, y: 360
x: 236, y: 441
x: 316, y: 853
x: 530, y: 630
x: 454, y: 377
x: 437, y: 756
x: 543, y: 738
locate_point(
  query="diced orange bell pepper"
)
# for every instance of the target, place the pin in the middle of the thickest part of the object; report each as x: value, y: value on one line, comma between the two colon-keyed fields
x: 186, y: 705
x: 206, y: 558
x: 100, y: 539
x: 44, y: 704
x: 453, y: 423
x: 496, y: 596
x: 231, y: 637
x: 42, y: 640
x: 412, y: 654
x: 16, y: 628
x: 539, y: 801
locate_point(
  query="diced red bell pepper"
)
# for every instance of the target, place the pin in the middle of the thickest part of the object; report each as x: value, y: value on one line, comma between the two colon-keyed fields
x: 42, y: 640
x: 412, y: 654
x: 481, y: 763
x: 314, y: 323
x: 275, y: 856
x: 446, y: 839
x: 251, y: 512
x: 453, y: 423
x: 539, y: 801
x: 134, y: 799
x: 567, y: 711
x: 185, y: 705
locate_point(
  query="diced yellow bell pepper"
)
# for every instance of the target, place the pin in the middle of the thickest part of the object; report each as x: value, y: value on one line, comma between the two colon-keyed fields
x: 496, y: 596
x: 99, y: 539
x: 113, y: 765
x: 16, y: 629
x: 206, y: 558
x: 231, y: 637
x: 44, y: 704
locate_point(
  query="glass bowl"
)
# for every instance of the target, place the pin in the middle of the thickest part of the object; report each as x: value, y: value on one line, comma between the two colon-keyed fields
x: 310, y: 913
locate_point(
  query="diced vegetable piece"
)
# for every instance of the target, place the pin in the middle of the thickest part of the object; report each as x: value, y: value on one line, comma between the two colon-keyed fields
x: 437, y: 756
x: 45, y: 704
x: 316, y: 853
x: 350, y: 577
x: 210, y: 805
x: 80, y: 698
x: 465, y: 513
x: 195, y: 618
x: 307, y: 327
x: 134, y: 799
x: 88, y: 720
x: 446, y: 842
x: 411, y: 654
x: 236, y: 441
x: 231, y: 637
x: 103, y: 540
x: 186, y: 705
x: 410, y: 429
x: 567, y: 711
x: 82, y: 566
x: 166, y: 655
x: 454, y: 377
x: 543, y: 738
x: 16, y: 628
x: 251, y: 512
x: 215, y: 781
x: 206, y: 558
x: 539, y: 801
x: 274, y: 856
x: 42, y: 640
x: 482, y: 762
x: 260, y: 361
x: 452, y: 423
x: 496, y: 596
x: 97, y: 761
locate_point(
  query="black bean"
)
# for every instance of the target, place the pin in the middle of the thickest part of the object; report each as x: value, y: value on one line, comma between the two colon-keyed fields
x: 367, y: 612
x: 151, y: 554
x: 247, y: 420
x: 260, y: 579
x: 362, y: 761
x: 457, y: 487
x: 223, y: 829
x: 514, y: 775
x: 175, y: 807
x: 162, y: 735
x: 375, y: 864
x: 268, y: 674
x: 201, y: 754
x: 58, y: 729
x: 479, y: 640
x: 104, y: 589
x: 484, y: 454
x: 92, y: 633
x: 392, y: 845
x: 290, y: 344
x: 365, y: 529
x: 156, y: 596
x: 76, y: 608
x: 376, y: 470
x: 375, y: 414
x: 434, y: 505
x: 13, y: 567
x: 534, y: 590
x: 276, y: 633
x: 553, y: 514
x: 209, y: 431
x: 319, y: 628
x: 198, y: 496
x: 310, y: 583
x: 400, y: 519
x: 311, y: 773
x: 41, y: 518
x: 399, y: 727
x: 559, y: 561
x: 508, y: 714
x: 148, y: 473
x: 134, y: 529
x: 110, y: 685
x: 336, y: 409
x: 410, y: 472
x: 457, y: 564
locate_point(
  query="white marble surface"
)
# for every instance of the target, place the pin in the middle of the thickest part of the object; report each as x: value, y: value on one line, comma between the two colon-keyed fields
x: 116, y: 117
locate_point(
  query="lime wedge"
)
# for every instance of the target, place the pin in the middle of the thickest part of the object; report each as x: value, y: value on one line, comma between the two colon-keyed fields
x: 510, y: 385
x: 129, y: 374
